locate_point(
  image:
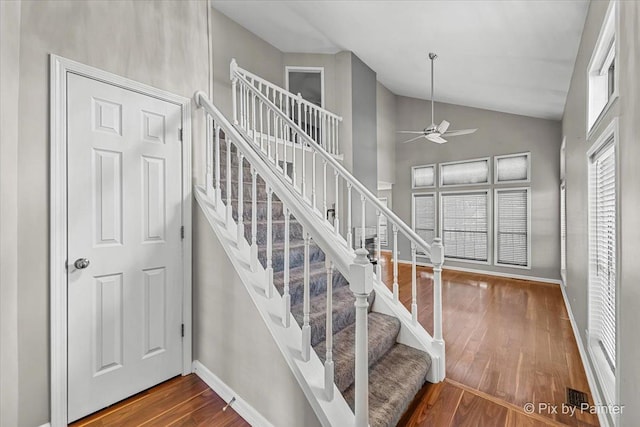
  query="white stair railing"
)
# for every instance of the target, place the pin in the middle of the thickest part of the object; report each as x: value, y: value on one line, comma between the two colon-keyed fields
x: 353, y: 266
x: 251, y: 106
x: 319, y: 124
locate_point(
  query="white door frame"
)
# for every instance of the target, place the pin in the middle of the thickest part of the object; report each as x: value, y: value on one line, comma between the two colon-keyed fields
x: 59, y: 67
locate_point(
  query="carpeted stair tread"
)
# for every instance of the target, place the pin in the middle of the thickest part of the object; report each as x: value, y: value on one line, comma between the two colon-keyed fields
x: 296, y: 254
x: 344, y: 312
x: 383, y: 331
x: 393, y: 384
x: 317, y: 281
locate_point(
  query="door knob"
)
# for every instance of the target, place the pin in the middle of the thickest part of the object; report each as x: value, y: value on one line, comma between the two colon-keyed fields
x: 81, y: 263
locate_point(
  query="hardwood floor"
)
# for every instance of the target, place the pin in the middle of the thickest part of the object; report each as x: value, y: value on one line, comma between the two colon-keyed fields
x: 181, y: 401
x: 509, y: 342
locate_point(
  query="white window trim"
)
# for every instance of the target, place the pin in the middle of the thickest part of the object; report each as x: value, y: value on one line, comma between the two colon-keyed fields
x: 299, y: 69
x: 605, y: 377
x: 512, y: 181
x: 435, y: 176
x: 435, y: 212
x: 487, y: 183
x: 495, y: 227
x: 489, y: 223
x: 599, y: 57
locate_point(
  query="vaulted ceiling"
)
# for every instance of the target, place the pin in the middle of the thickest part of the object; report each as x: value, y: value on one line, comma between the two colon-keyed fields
x: 515, y: 56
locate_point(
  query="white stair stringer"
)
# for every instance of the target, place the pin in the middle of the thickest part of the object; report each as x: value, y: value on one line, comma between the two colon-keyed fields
x: 310, y: 374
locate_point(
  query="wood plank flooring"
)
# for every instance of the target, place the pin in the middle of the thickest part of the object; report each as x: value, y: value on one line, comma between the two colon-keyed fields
x: 181, y: 401
x: 509, y: 342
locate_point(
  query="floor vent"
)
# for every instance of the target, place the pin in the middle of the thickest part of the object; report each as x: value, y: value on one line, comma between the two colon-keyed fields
x: 576, y: 398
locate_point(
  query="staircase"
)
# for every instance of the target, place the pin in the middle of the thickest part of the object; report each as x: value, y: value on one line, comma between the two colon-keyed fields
x: 372, y: 355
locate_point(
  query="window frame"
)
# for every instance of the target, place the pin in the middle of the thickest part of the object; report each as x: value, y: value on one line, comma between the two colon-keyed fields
x: 495, y: 227
x: 496, y: 160
x: 479, y: 159
x: 486, y: 191
x: 301, y: 69
x: 413, y: 180
x: 607, y: 46
x: 606, y: 378
x: 435, y: 214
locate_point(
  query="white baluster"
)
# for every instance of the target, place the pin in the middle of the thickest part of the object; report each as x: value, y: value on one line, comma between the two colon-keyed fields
x: 328, y: 364
x: 313, y: 180
x: 286, y: 293
x: 254, y: 219
x: 269, y: 269
x: 337, y: 143
x: 294, y: 175
x: 208, y: 177
x: 378, y: 249
x: 336, y: 221
x: 324, y: 189
x: 361, y: 284
x: 437, y: 258
x: 299, y: 110
x: 234, y: 87
x: 414, y: 302
x: 306, y: 328
x: 396, y: 289
x: 240, y: 200
x: 253, y: 116
x: 363, y: 207
x: 284, y: 160
x: 229, y: 208
x: 349, y: 225
x: 304, y: 169
x: 275, y: 132
x: 261, y: 121
x: 217, y: 171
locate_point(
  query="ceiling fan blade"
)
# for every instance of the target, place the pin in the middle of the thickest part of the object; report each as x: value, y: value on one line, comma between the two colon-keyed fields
x: 413, y: 139
x: 460, y: 132
x: 436, y: 138
x: 411, y: 131
x: 442, y: 127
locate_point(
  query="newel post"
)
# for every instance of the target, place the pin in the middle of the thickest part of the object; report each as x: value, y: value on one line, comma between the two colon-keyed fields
x: 361, y: 284
x: 233, y: 67
x: 437, y: 258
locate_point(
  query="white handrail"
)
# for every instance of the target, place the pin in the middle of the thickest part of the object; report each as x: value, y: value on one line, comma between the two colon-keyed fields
x: 344, y: 173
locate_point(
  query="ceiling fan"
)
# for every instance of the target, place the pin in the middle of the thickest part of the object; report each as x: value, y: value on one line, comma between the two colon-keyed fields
x: 433, y: 132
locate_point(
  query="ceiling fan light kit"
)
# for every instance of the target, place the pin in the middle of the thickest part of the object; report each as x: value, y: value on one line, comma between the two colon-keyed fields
x: 433, y: 132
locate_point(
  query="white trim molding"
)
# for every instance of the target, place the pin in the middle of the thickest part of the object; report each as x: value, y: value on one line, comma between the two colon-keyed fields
x: 301, y: 69
x: 241, y: 406
x: 59, y: 68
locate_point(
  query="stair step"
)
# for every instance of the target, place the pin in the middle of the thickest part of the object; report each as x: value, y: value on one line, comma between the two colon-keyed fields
x: 296, y: 254
x: 277, y: 230
x: 393, y: 384
x: 344, y: 312
x: 317, y: 281
x: 383, y: 331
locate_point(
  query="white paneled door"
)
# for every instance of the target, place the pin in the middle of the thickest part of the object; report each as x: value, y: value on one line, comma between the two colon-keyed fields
x: 124, y: 243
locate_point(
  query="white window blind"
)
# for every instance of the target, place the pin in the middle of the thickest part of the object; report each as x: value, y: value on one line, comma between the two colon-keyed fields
x: 424, y: 217
x: 469, y: 172
x: 465, y: 225
x: 513, y: 168
x: 602, y: 275
x: 423, y: 176
x: 512, y: 227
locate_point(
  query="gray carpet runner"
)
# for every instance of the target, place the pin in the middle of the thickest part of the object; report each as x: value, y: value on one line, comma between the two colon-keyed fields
x: 396, y: 372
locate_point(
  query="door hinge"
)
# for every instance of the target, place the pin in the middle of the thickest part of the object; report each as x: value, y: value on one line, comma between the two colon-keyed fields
x: 179, y: 134
x: 182, y: 232
x: 182, y: 330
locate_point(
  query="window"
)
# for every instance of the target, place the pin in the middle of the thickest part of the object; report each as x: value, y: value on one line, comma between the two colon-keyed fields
x: 602, y: 259
x: 423, y: 217
x: 308, y: 82
x: 602, y: 72
x: 468, y: 172
x: 512, y: 168
x: 512, y: 246
x: 423, y: 176
x: 383, y: 224
x: 465, y: 225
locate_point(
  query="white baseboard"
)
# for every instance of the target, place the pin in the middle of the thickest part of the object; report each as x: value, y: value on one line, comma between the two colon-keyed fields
x: 241, y: 406
x: 488, y: 273
x: 46, y: 425
x: 591, y: 378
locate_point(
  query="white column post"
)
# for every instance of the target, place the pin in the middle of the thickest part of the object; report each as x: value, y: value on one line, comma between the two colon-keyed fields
x: 229, y: 207
x: 378, y: 249
x: 336, y: 220
x: 306, y: 327
x: 363, y: 230
x: 209, y: 153
x: 361, y: 285
x: 286, y: 299
x: 328, y: 364
x: 350, y: 242
x: 254, y: 219
x: 437, y: 258
x: 414, y: 300
x: 234, y: 81
x: 269, y: 269
x: 218, y: 193
x: 241, y: 240
x: 396, y: 290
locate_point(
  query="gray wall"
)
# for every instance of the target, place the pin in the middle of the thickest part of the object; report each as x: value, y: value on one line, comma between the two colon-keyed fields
x: 231, y: 339
x: 163, y: 44
x: 574, y: 128
x: 9, y: 82
x: 386, y: 134
x: 498, y: 133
